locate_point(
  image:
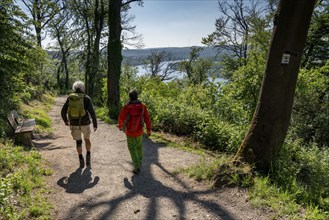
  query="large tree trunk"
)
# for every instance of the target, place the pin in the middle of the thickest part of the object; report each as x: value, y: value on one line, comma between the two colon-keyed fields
x: 37, y: 20
x: 66, y: 69
x: 114, y: 58
x: 38, y: 33
x: 88, y: 67
x: 271, y: 119
x: 99, y: 16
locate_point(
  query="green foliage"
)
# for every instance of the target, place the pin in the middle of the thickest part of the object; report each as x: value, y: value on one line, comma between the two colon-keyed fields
x: 102, y: 113
x: 316, y: 51
x: 244, y: 87
x: 13, y: 53
x: 266, y: 194
x: 197, y: 69
x: 9, y: 159
x: 38, y: 78
x: 310, y: 117
x: 303, y: 172
x: 128, y: 81
x: 38, y: 109
x: 218, y: 135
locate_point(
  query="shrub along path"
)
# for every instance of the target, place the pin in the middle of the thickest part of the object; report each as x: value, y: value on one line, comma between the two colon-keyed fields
x: 109, y: 190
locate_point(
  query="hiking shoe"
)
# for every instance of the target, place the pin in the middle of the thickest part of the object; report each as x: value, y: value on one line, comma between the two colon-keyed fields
x: 136, y: 171
x: 88, y: 160
x: 82, y: 162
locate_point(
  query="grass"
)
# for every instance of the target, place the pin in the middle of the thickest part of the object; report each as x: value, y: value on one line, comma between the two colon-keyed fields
x: 179, y: 143
x: 204, y: 170
x: 266, y: 194
x: 39, y: 109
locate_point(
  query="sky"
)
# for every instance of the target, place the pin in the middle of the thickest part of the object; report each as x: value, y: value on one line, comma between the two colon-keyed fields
x: 174, y: 23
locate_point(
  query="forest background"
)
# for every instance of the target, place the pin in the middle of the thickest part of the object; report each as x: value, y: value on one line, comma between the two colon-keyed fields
x: 89, y: 45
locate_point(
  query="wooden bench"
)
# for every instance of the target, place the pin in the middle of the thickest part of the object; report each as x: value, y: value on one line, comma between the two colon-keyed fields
x: 22, y: 128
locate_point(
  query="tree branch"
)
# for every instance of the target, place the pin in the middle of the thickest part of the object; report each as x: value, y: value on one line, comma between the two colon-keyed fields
x: 128, y: 2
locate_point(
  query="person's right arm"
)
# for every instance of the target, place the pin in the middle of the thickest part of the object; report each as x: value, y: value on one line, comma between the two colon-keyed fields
x: 122, y: 117
x: 64, y: 112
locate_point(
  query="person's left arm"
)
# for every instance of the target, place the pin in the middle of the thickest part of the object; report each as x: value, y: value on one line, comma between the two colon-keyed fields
x: 90, y: 108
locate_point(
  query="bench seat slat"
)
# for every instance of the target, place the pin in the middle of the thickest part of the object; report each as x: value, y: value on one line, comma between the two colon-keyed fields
x: 27, y: 125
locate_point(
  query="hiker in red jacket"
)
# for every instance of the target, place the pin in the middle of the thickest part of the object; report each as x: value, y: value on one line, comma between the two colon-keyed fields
x: 131, y: 119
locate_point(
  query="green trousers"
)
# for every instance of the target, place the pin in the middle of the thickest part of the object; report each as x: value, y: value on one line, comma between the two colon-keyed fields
x: 136, y: 150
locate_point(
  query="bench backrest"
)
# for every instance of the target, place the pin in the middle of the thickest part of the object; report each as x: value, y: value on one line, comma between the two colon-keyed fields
x: 13, y: 119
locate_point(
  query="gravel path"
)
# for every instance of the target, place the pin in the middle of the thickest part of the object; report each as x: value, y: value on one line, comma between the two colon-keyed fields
x: 109, y: 190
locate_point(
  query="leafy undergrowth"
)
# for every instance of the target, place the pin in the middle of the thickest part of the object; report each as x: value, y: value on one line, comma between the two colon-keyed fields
x: 22, y: 186
x: 102, y: 114
x: 38, y: 109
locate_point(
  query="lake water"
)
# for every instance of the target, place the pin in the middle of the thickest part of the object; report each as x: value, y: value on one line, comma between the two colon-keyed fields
x: 179, y: 75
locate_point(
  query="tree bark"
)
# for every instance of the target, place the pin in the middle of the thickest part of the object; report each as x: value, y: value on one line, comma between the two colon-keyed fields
x: 114, y: 58
x: 270, y: 122
x: 99, y: 16
x: 88, y: 57
x: 38, y: 20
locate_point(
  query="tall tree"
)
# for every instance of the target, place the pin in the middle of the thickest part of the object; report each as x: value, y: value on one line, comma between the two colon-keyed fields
x: 196, y: 68
x: 272, y: 115
x: 240, y: 24
x: 160, y: 64
x: 115, y: 54
x: 99, y: 23
x: 42, y: 12
x: 89, y: 23
x: 82, y: 21
x: 13, y: 52
x: 59, y: 30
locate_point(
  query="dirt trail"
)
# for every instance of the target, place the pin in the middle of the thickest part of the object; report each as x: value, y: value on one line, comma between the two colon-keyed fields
x: 109, y: 190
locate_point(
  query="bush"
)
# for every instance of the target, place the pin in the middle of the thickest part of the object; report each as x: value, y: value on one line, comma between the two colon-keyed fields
x: 310, y: 117
x: 219, y: 135
x: 303, y: 170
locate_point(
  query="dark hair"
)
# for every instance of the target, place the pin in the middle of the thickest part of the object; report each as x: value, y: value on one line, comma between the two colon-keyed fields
x: 133, y: 95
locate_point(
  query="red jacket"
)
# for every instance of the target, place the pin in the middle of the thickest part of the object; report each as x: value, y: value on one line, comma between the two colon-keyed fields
x: 132, y: 118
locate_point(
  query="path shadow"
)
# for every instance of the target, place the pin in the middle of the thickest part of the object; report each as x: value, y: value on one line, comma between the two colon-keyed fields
x: 147, y: 186
x: 78, y: 181
x: 43, y: 145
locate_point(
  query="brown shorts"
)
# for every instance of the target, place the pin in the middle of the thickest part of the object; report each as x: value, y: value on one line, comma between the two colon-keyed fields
x: 76, y: 132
